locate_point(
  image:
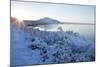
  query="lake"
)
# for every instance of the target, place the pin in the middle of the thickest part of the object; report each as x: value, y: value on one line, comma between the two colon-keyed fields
x: 85, y: 30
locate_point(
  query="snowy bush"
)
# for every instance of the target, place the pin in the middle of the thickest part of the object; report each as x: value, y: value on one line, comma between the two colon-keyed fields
x: 66, y: 47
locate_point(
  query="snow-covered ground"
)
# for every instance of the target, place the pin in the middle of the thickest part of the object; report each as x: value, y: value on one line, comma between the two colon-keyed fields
x: 32, y: 46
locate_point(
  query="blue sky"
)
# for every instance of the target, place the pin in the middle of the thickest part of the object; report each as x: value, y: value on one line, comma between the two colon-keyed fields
x: 61, y: 12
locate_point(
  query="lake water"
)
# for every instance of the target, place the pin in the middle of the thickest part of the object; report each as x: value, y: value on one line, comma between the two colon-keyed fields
x: 84, y: 30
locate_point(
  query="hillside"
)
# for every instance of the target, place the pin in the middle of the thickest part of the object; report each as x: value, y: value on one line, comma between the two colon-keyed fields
x: 33, y: 46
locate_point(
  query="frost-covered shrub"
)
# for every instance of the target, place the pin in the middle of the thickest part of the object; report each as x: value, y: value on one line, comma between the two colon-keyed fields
x: 61, y: 47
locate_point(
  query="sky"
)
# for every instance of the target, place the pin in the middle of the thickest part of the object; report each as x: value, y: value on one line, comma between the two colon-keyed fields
x: 61, y: 12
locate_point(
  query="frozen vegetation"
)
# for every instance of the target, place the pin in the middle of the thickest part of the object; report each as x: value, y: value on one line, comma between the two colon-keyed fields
x: 33, y: 46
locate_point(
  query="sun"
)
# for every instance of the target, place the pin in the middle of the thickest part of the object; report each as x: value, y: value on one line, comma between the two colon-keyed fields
x: 19, y: 14
x: 25, y: 14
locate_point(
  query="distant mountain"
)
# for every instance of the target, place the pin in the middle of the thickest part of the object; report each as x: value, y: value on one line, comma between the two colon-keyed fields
x: 47, y: 20
x: 43, y: 21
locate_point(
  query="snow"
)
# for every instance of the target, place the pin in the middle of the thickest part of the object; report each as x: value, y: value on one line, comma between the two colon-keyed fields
x: 33, y: 46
